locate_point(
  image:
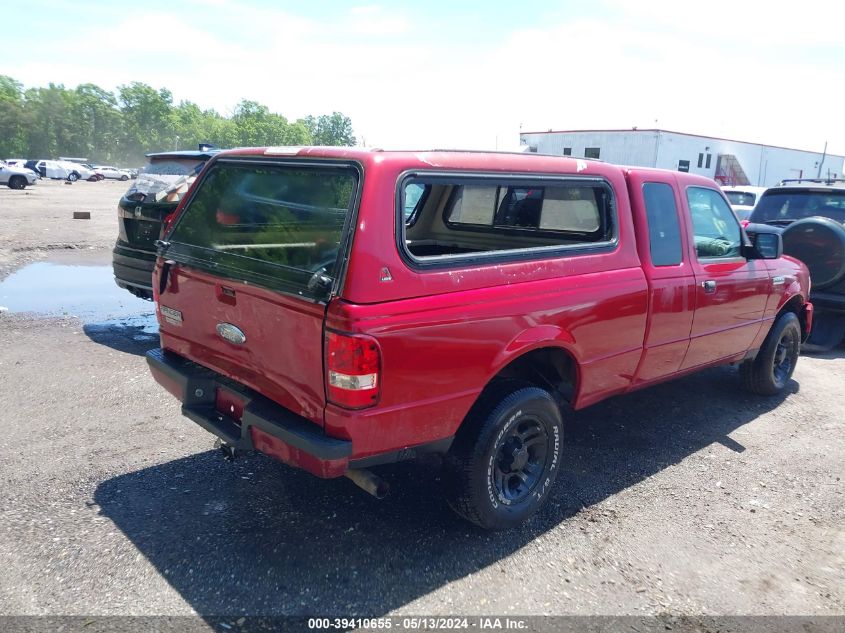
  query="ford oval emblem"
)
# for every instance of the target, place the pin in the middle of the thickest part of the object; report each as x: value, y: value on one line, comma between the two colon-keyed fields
x: 231, y: 333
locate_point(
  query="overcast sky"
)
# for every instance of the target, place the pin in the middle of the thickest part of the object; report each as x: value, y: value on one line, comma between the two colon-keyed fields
x: 463, y: 74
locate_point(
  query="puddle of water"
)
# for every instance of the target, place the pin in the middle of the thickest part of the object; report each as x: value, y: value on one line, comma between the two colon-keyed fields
x: 86, y: 292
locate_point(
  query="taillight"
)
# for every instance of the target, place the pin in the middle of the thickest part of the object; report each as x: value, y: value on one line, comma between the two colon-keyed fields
x: 352, y: 370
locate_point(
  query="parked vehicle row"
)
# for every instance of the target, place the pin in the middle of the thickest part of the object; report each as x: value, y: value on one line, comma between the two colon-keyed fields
x: 339, y: 309
x: 15, y: 176
x: 69, y: 170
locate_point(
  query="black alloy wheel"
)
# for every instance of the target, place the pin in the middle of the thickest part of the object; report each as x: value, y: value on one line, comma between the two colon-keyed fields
x: 506, y: 455
x: 520, y: 461
x: 769, y: 372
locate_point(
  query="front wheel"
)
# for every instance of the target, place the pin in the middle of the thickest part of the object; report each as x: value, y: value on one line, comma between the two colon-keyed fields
x: 505, y: 457
x: 17, y: 182
x: 124, y: 177
x: 769, y: 372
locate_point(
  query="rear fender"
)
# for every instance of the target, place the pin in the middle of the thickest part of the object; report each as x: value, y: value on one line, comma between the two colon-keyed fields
x: 533, y: 339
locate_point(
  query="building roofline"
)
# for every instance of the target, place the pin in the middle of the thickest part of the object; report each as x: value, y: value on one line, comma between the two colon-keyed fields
x: 714, y: 138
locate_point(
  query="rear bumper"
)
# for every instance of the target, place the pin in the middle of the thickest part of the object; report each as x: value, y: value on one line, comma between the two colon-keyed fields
x: 133, y: 270
x: 263, y: 426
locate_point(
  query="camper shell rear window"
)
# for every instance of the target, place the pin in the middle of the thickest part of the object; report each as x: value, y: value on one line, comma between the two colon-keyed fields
x: 276, y: 225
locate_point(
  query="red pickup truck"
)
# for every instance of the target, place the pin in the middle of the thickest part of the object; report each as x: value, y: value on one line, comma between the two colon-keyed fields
x: 339, y: 309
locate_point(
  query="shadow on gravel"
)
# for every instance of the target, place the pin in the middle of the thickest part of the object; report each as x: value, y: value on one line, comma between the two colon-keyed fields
x: 256, y: 537
x: 131, y: 335
x: 836, y: 353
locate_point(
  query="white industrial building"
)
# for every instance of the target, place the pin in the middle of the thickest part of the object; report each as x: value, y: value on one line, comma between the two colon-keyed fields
x: 728, y: 162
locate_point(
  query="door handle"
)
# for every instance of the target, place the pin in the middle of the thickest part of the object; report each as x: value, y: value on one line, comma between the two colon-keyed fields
x: 709, y: 286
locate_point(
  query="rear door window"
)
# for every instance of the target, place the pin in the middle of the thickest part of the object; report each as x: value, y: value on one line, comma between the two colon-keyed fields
x: 279, y: 226
x: 741, y: 198
x: 664, y: 229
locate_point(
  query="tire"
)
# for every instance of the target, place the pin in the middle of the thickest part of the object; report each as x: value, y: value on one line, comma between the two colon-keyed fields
x: 73, y: 176
x: 819, y: 242
x: 505, y: 457
x: 17, y: 182
x: 124, y: 177
x: 769, y: 372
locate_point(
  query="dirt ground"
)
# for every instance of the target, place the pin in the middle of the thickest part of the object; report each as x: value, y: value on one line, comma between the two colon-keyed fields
x: 39, y: 219
x: 689, y: 498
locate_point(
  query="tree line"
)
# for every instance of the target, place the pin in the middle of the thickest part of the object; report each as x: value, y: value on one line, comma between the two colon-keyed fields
x: 121, y: 127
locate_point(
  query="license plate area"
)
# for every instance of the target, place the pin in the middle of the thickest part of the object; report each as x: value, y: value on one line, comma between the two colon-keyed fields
x: 229, y: 403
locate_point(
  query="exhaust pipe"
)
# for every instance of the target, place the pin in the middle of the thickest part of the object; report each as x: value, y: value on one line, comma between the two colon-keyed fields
x: 369, y: 482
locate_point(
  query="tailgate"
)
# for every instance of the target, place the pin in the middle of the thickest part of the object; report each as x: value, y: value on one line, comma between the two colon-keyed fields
x: 248, y: 269
x: 203, y: 318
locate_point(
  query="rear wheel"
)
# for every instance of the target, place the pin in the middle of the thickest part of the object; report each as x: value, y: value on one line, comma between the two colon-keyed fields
x: 769, y: 372
x: 17, y: 182
x: 506, y: 456
x: 73, y: 176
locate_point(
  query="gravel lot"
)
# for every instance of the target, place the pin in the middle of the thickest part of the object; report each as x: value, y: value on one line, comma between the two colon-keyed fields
x: 689, y: 498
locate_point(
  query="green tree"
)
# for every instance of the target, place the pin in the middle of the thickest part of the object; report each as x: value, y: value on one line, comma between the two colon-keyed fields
x: 98, y: 122
x: 330, y: 129
x: 147, y: 121
x: 121, y: 127
x: 51, y: 131
x: 13, y: 121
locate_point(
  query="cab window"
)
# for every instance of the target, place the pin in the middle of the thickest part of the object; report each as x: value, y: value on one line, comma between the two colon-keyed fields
x: 716, y: 231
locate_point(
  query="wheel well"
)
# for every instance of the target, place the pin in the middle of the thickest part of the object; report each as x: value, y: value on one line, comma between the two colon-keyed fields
x: 794, y: 305
x: 550, y: 368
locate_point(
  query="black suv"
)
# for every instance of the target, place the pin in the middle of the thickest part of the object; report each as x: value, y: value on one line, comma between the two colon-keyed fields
x: 153, y: 196
x: 812, y: 214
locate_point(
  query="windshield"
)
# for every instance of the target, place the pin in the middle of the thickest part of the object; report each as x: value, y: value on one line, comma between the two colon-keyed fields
x: 163, y: 175
x: 793, y: 204
x: 277, y: 226
x: 741, y: 198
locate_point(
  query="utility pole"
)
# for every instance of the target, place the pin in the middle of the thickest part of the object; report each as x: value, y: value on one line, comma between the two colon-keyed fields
x: 821, y: 162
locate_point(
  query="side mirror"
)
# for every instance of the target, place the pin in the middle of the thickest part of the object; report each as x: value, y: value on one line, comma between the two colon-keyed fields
x: 764, y: 245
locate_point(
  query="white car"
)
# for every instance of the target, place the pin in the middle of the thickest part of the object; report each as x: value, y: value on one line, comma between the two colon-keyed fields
x: 113, y: 172
x: 52, y: 169
x: 77, y: 171
x: 16, y: 177
x: 743, y: 199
